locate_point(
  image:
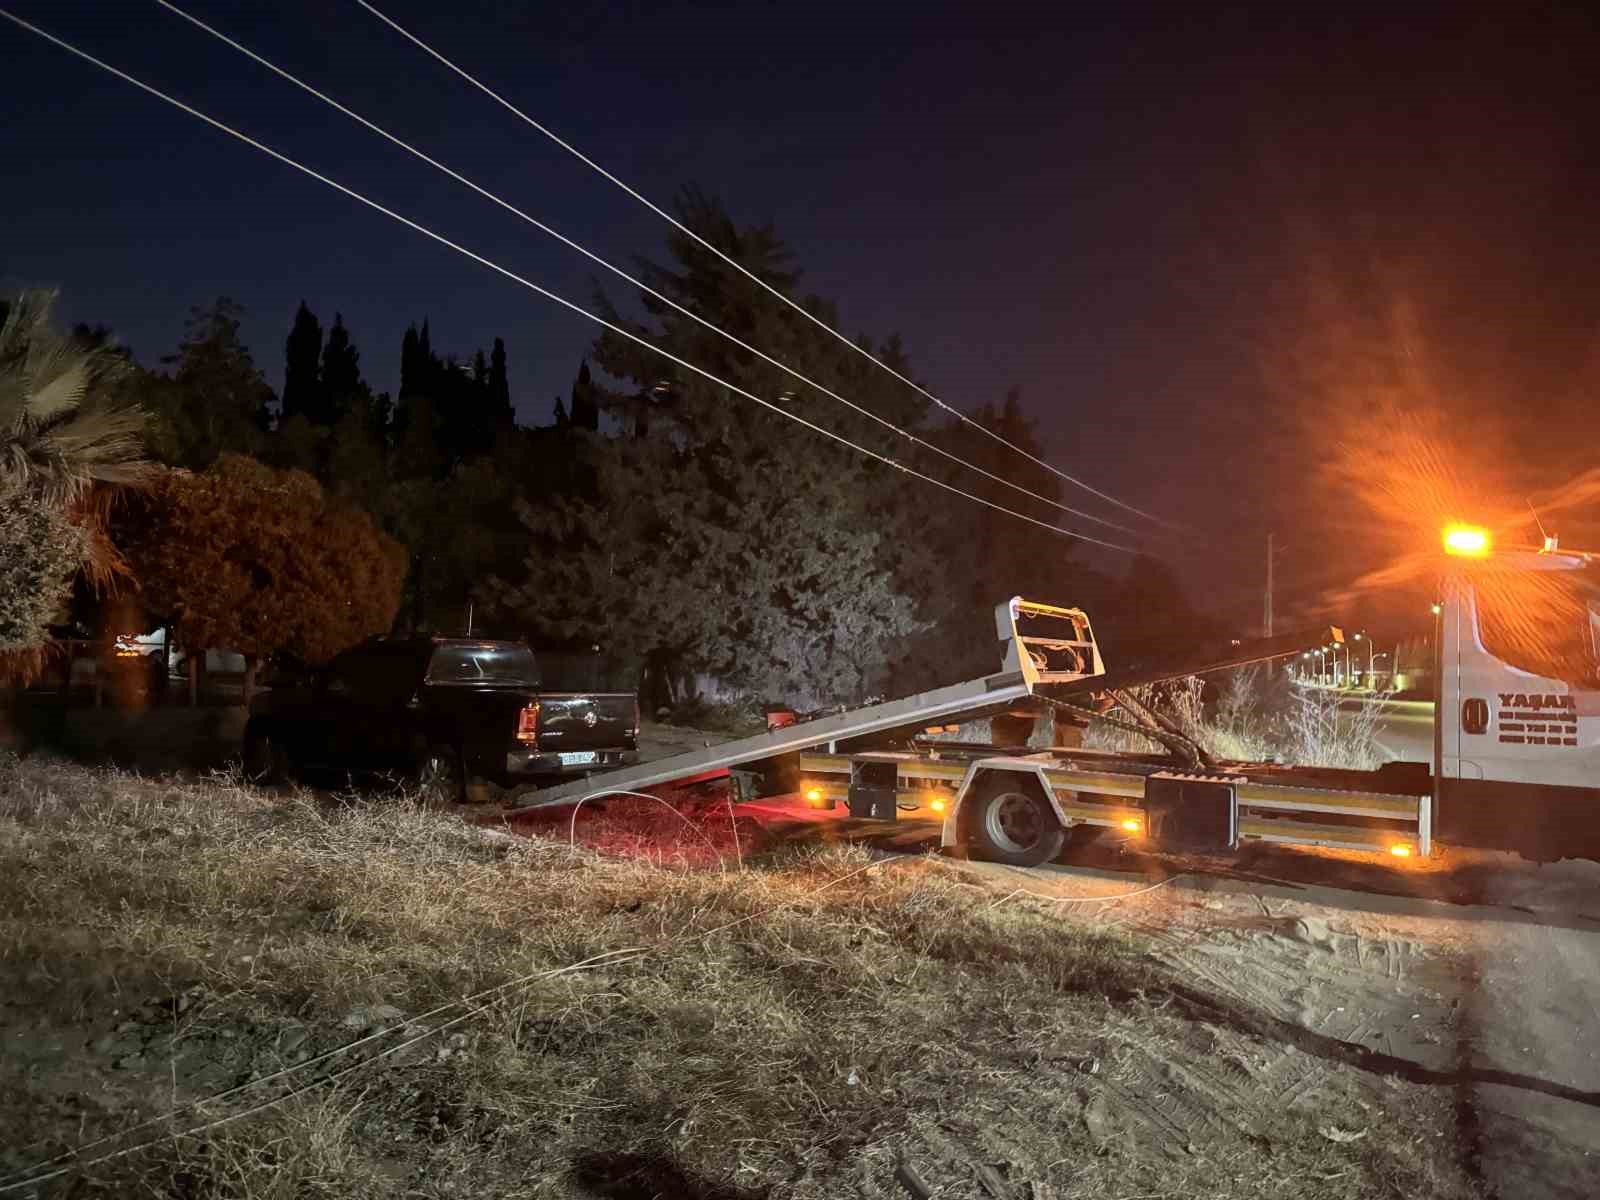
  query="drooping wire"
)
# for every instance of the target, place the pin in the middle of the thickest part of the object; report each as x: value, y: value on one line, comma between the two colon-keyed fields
x: 751, y: 275
x: 572, y: 244
x: 542, y: 291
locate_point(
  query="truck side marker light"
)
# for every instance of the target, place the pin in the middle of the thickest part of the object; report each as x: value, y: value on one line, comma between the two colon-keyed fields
x: 1400, y: 850
x: 1131, y: 825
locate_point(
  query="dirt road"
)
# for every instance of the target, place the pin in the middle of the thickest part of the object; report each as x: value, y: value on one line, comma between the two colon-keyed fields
x: 1478, y: 973
x: 1495, y: 1000
x: 1533, y: 1013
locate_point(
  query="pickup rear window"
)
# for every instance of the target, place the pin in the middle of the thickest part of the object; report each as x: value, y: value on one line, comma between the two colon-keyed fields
x: 484, y: 662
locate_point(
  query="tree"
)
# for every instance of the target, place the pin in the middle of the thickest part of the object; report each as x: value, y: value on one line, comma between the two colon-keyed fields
x: 774, y: 592
x: 585, y: 404
x: 63, y: 429
x: 412, y: 368
x: 69, y: 441
x: 720, y: 537
x: 1151, y: 618
x: 302, y: 353
x: 343, y: 390
x: 260, y: 561
x: 41, y: 550
x: 447, y: 413
x: 503, y: 414
x: 215, y: 401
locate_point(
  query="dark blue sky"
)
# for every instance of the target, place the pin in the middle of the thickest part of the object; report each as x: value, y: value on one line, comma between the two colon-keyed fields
x: 1135, y: 215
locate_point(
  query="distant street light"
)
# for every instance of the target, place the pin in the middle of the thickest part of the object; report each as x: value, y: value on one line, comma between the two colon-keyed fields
x: 1372, y: 660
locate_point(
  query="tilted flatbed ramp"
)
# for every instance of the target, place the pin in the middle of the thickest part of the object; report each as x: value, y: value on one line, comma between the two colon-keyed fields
x: 960, y: 697
x: 1031, y: 660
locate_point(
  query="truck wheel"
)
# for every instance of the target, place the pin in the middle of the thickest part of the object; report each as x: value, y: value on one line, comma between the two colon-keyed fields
x: 440, y: 776
x: 1011, y: 822
x: 265, y: 759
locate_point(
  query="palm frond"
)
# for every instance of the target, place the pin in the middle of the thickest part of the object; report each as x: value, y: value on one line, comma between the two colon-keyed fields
x: 54, y: 397
x: 60, y: 432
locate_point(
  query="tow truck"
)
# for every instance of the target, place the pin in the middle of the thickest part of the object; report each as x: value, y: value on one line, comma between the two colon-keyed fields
x: 1515, y: 766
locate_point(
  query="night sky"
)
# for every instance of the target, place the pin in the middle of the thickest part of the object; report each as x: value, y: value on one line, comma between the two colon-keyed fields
x: 1184, y: 237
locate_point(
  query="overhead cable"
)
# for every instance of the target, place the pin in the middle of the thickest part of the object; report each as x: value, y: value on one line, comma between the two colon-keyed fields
x: 751, y: 275
x: 542, y: 291
x: 572, y: 244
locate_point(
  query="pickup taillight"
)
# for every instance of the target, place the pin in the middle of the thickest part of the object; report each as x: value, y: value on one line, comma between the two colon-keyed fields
x: 635, y: 728
x: 528, y: 723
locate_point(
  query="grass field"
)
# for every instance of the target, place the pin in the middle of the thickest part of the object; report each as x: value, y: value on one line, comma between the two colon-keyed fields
x: 389, y: 1002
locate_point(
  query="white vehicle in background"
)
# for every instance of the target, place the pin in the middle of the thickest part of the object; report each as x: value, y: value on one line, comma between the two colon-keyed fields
x: 1516, y: 762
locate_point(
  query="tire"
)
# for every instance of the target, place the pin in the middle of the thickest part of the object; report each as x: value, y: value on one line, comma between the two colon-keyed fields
x: 441, y: 777
x: 265, y: 760
x: 1009, y: 821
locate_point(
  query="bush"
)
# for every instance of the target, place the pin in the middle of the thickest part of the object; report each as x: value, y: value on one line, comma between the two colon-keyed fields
x: 40, y: 550
x: 1257, y: 717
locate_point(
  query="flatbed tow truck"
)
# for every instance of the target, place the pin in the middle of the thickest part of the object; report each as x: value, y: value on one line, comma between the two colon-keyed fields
x: 1516, y: 761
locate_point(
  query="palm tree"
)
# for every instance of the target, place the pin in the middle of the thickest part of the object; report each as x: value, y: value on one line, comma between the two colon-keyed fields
x: 61, y: 433
x: 68, y: 446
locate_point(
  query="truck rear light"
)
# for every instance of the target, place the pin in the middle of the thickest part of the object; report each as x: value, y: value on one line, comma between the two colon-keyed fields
x: 528, y: 723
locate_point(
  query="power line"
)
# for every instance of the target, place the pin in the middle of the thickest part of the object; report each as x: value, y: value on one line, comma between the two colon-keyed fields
x: 682, y: 228
x: 620, y: 273
x: 534, y: 287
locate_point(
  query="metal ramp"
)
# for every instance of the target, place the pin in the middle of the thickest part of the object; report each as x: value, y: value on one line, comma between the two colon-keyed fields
x: 1044, y: 645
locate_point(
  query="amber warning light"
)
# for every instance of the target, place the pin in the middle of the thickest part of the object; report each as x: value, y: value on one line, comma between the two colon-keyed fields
x: 1466, y: 541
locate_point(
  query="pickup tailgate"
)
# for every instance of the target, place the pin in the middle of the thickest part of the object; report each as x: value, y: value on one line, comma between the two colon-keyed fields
x: 572, y: 722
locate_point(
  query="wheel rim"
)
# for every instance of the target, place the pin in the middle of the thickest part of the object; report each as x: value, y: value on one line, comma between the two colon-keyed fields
x: 438, y: 776
x: 1013, y: 822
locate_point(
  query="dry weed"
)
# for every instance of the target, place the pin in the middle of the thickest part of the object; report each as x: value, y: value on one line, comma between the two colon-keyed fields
x: 792, y: 1031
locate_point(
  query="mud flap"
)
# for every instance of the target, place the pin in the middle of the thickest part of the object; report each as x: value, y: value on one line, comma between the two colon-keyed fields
x: 1189, y: 814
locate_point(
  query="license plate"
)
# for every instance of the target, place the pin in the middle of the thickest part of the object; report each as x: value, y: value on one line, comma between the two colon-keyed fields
x: 574, y: 757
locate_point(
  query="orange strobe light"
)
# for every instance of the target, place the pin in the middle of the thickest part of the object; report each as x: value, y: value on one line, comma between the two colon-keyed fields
x: 1466, y: 541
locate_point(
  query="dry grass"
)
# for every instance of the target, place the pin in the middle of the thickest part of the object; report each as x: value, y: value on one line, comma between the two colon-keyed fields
x: 795, y: 1028
x: 1258, y: 717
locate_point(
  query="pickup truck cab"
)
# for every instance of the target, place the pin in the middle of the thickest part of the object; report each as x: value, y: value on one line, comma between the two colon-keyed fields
x: 443, y: 710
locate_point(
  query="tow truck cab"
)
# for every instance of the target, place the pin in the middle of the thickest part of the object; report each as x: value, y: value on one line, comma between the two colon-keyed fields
x: 1517, y: 726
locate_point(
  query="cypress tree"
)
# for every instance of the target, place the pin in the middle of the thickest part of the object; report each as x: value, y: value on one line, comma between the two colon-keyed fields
x: 585, y: 407
x: 302, y: 352
x: 342, y: 385
x: 500, y: 387
x: 410, y: 364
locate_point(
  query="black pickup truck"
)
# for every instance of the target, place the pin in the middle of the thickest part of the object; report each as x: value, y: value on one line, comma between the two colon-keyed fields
x: 443, y: 710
